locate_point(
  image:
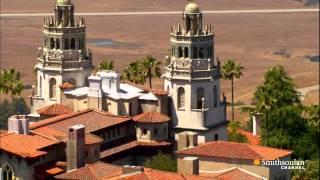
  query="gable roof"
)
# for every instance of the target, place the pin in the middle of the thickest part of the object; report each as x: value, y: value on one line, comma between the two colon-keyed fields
x: 93, y: 120
x: 232, y: 173
x: 232, y: 150
x: 98, y: 170
x: 54, y: 109
x: 26, y: 146
x: 151, y: 117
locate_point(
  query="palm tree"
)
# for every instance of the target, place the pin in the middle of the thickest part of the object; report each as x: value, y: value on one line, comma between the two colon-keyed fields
x: 132, y: 73
x: 264, y: 102
x: 229, y: 71
x: 150, y: 67
x: 10, y: 82
x: 106, y: 65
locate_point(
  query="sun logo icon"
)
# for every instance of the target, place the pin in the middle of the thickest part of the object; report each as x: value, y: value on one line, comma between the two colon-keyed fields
x: 256, y: 162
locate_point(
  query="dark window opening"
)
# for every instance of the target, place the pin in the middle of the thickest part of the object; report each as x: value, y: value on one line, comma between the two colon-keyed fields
x: 179, y: 52
x: 155, y: 131
x: 195, y: 52
x: 73, y: 43
x: 216, y: 137
x: 200, y: 96
x: 144, y: 131
x: 201, y: 53
x: 186, y: 52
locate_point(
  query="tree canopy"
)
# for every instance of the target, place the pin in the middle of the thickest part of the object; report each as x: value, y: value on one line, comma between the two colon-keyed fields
x: 162, y: 162
x: 106, y: 65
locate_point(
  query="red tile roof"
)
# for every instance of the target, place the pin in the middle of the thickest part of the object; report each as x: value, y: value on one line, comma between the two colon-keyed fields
x: 224, y: 149
x: 131, y: 145
x: 26, y: 146
x: 151, y: 117
x: 153, y: 143
x: 92, y: 139
x: 234, y: 173
x: 54, y: 110
x: 98, y: 170
x: 93, y: 120
x: 117, y: 149
x: 252, y: 139
x: 49, y: 170
x: 66, y: 85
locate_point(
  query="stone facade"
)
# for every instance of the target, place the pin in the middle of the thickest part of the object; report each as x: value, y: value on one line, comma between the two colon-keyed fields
x: 192, y: 78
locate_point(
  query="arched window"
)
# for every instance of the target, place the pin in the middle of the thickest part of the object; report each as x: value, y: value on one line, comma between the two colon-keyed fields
x: 195, y: 52
x: 57, y: 44
x: 181, y: 97
x: 186, y: 52
x: 66, y: 44
x: 73, y: 44
x: 179, y: 52
x: 215, y: 96
x: 7, y: 172
x: 200, y: 95
x: 52, y: 88
x: 51, y: 43
x: 72, y: 81
x: 201, y: 53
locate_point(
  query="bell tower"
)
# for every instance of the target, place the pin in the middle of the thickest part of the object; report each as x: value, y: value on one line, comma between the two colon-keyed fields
x: 192, y: 78
x: 63, y: 56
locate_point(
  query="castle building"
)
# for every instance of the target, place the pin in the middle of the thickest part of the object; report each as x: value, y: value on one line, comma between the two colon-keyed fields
x: 63, y: 56
x: 192, y: 78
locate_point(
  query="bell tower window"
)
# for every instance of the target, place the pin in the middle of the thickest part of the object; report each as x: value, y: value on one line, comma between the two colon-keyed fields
x: 66, y: 44
x: 195, y: 52
x: 181, y: 97
x: 201, y: 53
x: 200, y: 95
x: 186, y: 52
x: 51, y: 43
x: 179, y: 52
x: 52, y: 88
x: 73, y: 44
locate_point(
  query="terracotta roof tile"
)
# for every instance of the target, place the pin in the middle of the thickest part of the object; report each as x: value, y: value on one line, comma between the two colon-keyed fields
x: 92, y: 139
x: 252, y: 139
x: 233, y: 173
x: 48, y: 170
x: 117, y: 149
x: 93, y: 120
x: 66, y: 85
x: 26, y: 146
x: 233, y: 150
x: 98, y: 170
x: 151, y: 117
x: 54, y: 109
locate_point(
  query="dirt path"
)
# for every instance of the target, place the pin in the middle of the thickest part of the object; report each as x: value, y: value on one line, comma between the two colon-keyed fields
x: 305, y: 90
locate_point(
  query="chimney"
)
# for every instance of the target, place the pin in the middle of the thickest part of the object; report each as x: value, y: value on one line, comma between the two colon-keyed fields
x: 110, y: 81
x: 187, y: 140
x: 127, y: 169
x: 75, y: 147
x: 18, y: 124
x: 95, y: 93
x: 256, y: 125
x: 188, y: 166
